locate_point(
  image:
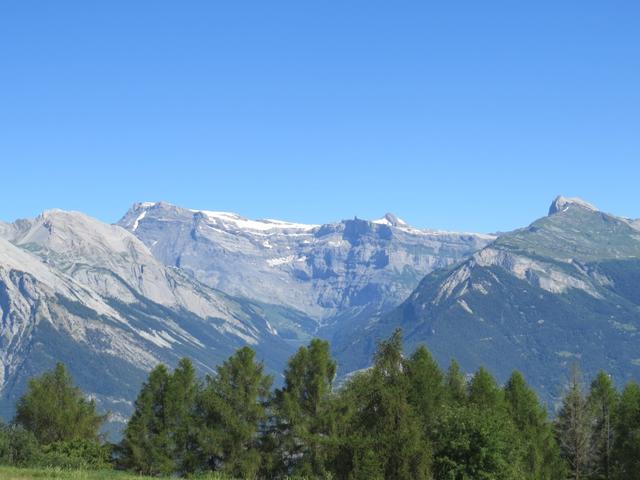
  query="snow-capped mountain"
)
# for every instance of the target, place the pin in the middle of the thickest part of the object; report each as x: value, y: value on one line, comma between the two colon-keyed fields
x: 111, y: 302
x: 327, y: 272
x: 564, y: 289
x: 76, y: 290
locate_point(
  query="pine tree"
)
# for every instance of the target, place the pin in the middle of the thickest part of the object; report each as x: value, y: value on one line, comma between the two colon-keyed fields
x: 573, y: 428
x: 541, y: 455
x: 426, y: 385
x: 303, y: 410
x: 476, y: 438
x: 55, y: 410
x: 626, y: 447
x: 455, y: 384
x: 146, y: 447
x: 231, y: 410
x: 180, y: 402
x: 484, y: 391
x: 366, y: 466
x: 602, y: 401
x: 383, y: 420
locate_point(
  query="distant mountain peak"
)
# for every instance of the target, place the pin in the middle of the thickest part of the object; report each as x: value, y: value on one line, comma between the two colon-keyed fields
x: 392, y: 220
x: 561, y: 204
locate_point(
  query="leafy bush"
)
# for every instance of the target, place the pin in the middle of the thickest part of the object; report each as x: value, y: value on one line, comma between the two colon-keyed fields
x: 18, y: 447
x: 76, y: 454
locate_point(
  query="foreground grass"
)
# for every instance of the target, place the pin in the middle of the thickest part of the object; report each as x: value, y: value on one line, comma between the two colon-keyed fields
x: 11, y: 473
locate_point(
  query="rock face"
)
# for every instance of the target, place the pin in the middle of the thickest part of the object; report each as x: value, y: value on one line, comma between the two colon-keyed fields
x: 112, y: 302
x: 561, y: 204
x: 331, y: 273
x: 564, y: 289
x: 92, y: 295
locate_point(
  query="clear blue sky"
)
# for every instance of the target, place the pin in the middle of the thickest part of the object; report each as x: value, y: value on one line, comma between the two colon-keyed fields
x: 458, y: 115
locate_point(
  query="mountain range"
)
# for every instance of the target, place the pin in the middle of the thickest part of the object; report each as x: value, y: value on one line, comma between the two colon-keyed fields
x: 564, y: 289
x: 164, y: 282
x: 329, y: 273
x: 111, y: 301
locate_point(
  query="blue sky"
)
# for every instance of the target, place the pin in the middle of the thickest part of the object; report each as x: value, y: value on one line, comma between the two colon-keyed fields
x: 457, y: 115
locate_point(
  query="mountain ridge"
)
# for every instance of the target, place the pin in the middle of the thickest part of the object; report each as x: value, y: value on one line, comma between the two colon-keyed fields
x: 562, y: 289
x: 75, y: 289
x: 321, y: 270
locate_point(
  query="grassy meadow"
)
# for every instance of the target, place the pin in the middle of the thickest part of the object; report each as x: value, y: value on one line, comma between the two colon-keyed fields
x: 11, y: 473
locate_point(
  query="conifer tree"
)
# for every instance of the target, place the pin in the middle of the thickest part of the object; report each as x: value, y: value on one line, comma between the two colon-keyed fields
x: 367, y: 466
x: 180, y: 403
x: 602, y: 401
x: 573, y: 428
x: 303, y: 410
x: 426, y: 385
x: 541, y: 455
x: 383, y: 421
x: 146, y: 447
x: 55, y: 410
x: 484, y: 391
x: 231, y: 409
x: 455, y: 384
x: 626, y: 450
x: 476, y: 438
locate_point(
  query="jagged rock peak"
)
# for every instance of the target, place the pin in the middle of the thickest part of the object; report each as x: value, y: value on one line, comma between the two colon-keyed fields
x: 561, y: 204
x: 391, y: 219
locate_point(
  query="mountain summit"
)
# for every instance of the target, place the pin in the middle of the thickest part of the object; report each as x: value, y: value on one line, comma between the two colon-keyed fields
x: 330, y: 273
x: 391, y: 219
x: 93, y: 296
x: 562, y: 290
x: 562, y: 204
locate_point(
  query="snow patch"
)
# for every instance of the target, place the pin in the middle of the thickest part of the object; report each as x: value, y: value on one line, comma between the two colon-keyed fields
x: 274, y: 262
x: 137, y: 220
x: 236, y: 221
x: 465, y: 306
x: 157, y: 338
x: 272, y: 330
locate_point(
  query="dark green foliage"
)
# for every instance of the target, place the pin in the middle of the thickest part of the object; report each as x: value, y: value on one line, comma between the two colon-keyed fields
x: 382, y: 423
x: 231, y: 409
x: 484, y: 391
x: 602, y: 400
x: 146, y: 446
x: 18, y: 447
x: 455, y: 383
x: 181, y: 425
x: 540, y: 452
x: 55, y: 410
x: 400, y: 419
x: 367, y: 465
x: 574, y: 428
x: 303, y: 411
x: 471, y: 443
x: 76, y: 454
x: 626, y: 452
x: 427, y: 393
x: 475, y: 437
x: 160, y: 437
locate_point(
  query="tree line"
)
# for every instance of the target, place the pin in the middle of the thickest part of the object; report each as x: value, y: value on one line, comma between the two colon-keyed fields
x: 403, y: 418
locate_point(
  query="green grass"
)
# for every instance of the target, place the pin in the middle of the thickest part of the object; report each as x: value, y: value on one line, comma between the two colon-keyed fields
x: 12, y: 473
